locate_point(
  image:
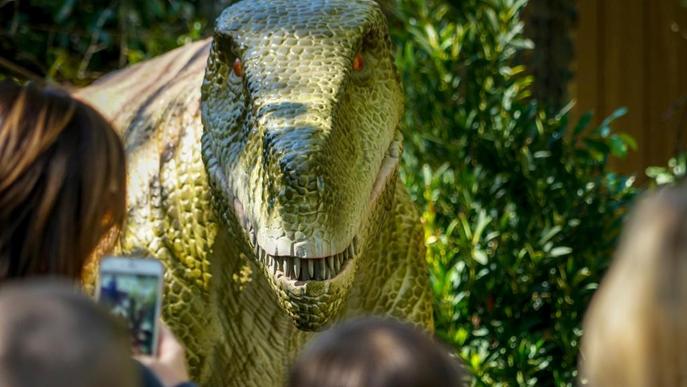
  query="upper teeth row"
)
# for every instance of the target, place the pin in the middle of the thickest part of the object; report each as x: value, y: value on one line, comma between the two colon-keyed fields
x: 302, y: 269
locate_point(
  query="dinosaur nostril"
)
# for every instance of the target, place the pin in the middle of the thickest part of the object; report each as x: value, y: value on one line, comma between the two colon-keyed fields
x: 358, y: 62
x: 238, y: 68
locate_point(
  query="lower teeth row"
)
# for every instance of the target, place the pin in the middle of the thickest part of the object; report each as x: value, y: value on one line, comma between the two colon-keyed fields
x: 302, y: 269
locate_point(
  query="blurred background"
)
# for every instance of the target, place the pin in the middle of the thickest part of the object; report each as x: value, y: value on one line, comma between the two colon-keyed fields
x: 633, y: 53
x: 531, y: 127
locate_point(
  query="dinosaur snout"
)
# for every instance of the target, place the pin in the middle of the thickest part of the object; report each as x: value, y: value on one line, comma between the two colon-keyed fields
x: 306, y: 212
x: 293, y: 150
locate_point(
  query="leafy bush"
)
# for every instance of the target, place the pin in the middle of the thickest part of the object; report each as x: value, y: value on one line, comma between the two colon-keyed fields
x: 75, y: 42
x: 520, y: 212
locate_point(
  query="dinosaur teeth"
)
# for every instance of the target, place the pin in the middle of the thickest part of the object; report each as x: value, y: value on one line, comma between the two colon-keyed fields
x: 316, y: 270
x: 284, y: 246
x: 289, y: 267
x: 322, y: 270
x: 306, y: 269
x: 296, y: 267
x: 303, y: 249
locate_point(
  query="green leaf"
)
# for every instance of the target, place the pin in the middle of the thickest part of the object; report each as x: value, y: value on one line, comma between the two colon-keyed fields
x: 482, y: 222
x: 480, y: 256
x: 550, y: 233
x: 583, y: 122
x: 65, y: 11
x: 604, y: 128
x: 617, y: 146
x: 628, y: 140
x: 561, y: 250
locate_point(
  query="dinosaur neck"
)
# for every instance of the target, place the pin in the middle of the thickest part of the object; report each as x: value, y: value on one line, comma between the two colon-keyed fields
x: 256, y: 333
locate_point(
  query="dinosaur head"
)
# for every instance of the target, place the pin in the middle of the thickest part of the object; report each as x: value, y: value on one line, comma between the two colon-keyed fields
x: 300, y: 105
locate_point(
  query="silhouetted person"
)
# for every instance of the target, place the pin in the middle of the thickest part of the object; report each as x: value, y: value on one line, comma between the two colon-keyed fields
x: 374, y: 352
x: 53, y: 336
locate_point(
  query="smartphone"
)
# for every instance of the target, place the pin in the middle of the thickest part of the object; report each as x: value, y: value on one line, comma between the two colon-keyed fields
x: 132, y: 289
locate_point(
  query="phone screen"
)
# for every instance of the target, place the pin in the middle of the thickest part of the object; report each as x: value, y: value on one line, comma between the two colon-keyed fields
x: 135, y: 297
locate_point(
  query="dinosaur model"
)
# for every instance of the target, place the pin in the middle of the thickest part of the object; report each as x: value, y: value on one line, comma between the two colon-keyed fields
x: 263, y: 171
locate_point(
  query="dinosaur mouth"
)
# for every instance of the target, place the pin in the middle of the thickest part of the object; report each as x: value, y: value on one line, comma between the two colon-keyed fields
x: 300, y: 264
x: 307, y: 269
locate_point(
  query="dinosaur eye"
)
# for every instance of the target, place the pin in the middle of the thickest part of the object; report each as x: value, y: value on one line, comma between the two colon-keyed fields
x: 238, y: 67
x: 358, y: 62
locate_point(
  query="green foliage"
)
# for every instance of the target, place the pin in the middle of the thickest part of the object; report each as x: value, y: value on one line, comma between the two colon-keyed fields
x: 520, y: 212
x: 670, y: 174
x: 75, y: 42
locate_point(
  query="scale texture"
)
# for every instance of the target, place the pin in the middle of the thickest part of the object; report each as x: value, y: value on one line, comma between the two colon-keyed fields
x: 263, y: 171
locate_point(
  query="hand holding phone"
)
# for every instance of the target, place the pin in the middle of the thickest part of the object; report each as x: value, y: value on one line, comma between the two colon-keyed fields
x: 170, y: 365
x: 132, y: 288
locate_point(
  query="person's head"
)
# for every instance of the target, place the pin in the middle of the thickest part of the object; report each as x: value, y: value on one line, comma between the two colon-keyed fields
x: 374, y: 352
x: 635, y: 332
x: 62, y: 181
x: 51, y: 335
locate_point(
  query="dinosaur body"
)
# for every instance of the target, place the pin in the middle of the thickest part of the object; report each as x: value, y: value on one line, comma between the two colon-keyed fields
x: 263, y: 172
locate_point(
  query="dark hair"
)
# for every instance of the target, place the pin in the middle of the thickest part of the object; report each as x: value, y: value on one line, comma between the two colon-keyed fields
x: 62, y: 181
x: 374, y: 352
x: 51, y: 335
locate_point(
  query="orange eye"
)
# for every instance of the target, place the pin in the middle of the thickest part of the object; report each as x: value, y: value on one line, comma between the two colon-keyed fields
x: 238, y: 68
x: 358, y: 62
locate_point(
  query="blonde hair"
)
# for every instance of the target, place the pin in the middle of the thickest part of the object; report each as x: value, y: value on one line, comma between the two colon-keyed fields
x: 62, y: 182
x: 635, y: 332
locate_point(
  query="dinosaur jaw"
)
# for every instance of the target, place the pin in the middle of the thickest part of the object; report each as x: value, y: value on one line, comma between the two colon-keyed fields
x: 312, y: 284
x: 295, y: 269
x: 293, y: 265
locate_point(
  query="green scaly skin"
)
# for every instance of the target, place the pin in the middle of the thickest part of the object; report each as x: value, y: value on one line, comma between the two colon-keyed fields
x: 239, y: 178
